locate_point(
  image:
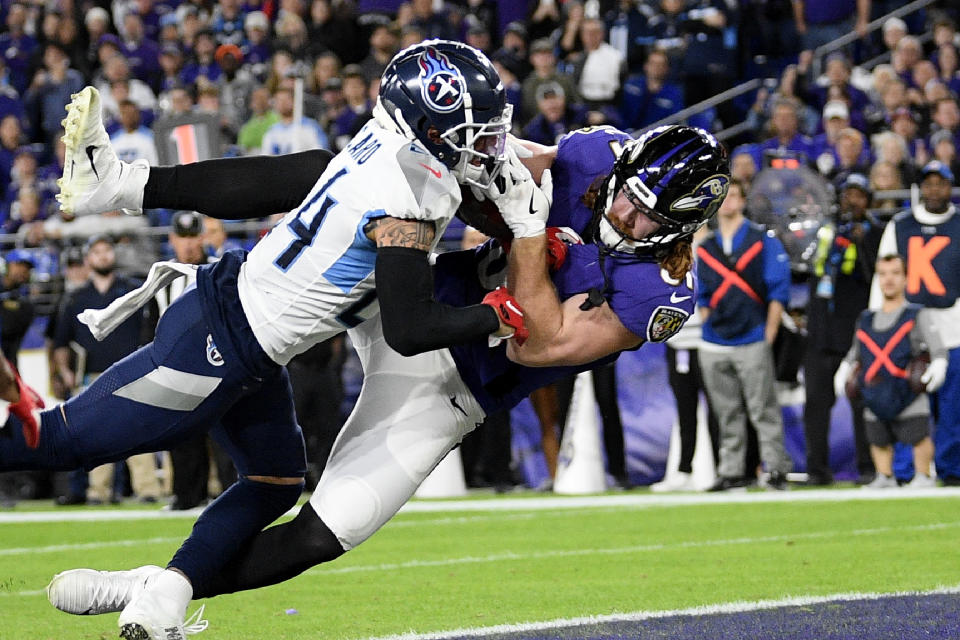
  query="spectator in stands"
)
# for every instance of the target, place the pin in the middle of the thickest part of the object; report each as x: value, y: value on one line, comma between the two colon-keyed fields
x: 18, y: 47
x: 11, y: 136
x: 227, y: 22
x: 50, y: 90
x: 203, y: 68
x: 410, y: 35
x: 599, y: 69
x: 92, y: 357
x: 215, y: 239
x: 256, y: 49
x: 841, y: 273
x: 890, y: 147
x: 927, y: 238
x: 945, y: 116
x: 515, y: 43
x: 286, y: 136
x: 837, y: 77
x: 23, y: 177
x: 744, y: 276
x: 787, y: 139
x: 948, y: 63
x: 328, y: 31
x: 383, y: 45
x: 116, y: 69
x: 544, y: 71
x: 142, y: 53
x: 16, y: 310
x: 909, y: 52
x: 543, y: 18
x: 708, y: 63
x: 171, y: 64
x: 97, y: 23
x: 836, y: 118
x: 944, y: 148
x: 744, y: 164
x: 430, y: 22
x: 894, y: 29
x: 628, y: 31
x: 822, y: 21
x: 905, y: 124
x: 479, y: 38
x: 886, y: 177
x: 555, y: 117
x: 356, y: 106
x: 650, y: 97
x: 852, y: 156
x: 252, y: 132
x: 235, y: 86
x: 133, y: 141
x: 888, y: 337
x: 508, y: 68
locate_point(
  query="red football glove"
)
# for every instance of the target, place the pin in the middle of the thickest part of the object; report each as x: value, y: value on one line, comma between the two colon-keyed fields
x: 558, y: 239
x: 509, y: 312
x: 25, y: 409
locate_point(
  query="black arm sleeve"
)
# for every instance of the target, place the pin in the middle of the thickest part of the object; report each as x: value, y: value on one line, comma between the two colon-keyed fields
x: 413, y: 322
x: 236, y: 188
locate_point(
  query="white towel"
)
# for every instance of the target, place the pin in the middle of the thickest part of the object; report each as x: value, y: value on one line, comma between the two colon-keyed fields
x: 103, y: 321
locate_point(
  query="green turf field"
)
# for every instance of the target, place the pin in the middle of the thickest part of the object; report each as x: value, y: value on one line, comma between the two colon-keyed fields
x: 480, y: 567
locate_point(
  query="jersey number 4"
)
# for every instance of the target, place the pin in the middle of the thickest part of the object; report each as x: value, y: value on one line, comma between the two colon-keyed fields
x: 305, y: 233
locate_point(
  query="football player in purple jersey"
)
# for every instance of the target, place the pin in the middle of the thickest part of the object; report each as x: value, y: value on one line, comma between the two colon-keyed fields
x: 612, y: 272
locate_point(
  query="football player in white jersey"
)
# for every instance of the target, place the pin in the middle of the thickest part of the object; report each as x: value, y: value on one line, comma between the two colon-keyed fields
x: 413, y: 410
x: 377, y: 209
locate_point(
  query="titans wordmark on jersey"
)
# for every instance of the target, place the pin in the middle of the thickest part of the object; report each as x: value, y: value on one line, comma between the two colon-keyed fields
x: 311, y: 277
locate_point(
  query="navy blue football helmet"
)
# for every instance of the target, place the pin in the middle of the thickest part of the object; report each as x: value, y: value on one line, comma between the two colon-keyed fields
x: 676, y: 175
x: 448, y: 96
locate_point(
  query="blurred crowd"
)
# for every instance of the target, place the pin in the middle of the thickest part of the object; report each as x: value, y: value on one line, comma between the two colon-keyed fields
x: 275, y: 76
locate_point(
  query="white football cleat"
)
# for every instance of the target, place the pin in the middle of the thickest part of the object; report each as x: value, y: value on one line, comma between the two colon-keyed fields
x: 158, y: 612
x: 89, y: 592
x: 881, y: 481
x: 678, y: 481
x: 921, y: 481
x: 94, y: 179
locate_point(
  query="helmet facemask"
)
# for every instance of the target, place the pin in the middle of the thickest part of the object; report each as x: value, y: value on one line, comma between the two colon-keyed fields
x: 482, y: 147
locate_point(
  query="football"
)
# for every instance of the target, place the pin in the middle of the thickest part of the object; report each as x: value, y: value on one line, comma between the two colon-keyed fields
x: 482, y: 215
x: 915, y: 370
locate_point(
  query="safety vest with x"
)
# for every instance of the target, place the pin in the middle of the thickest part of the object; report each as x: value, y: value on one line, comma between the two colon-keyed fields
x: 732, y: 277
x: 882, y: 355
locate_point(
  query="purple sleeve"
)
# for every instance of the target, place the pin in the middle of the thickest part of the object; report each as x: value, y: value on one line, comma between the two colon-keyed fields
x: 647, y: 304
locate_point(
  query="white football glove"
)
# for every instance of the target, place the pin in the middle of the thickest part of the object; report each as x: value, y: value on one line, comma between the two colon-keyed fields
x: 840, y: 379
x: 523, y: 205
x: 935, y: 374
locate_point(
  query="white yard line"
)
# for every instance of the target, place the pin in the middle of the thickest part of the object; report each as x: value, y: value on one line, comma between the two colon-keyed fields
x: 634, y: 500
x: 732, y: 607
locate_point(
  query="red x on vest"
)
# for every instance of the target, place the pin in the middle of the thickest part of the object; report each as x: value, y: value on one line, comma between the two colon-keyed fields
x: 883, y: 355
x: 731, y: 277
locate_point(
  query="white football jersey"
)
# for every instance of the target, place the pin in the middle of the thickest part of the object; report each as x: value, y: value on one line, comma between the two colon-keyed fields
x: 311, y: 277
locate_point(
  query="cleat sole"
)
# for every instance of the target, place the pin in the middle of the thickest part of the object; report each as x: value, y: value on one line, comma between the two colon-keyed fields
x: 133, y: 631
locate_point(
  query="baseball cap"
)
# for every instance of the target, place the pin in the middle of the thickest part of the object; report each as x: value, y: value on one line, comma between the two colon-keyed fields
x: 228, y: 50
x: 187, y: 223
x: 256, y: 20
x: 857, y: 181
x: 902, y: 112
x: 170, y: 49
x: 20, y: 255
x: 548, y: 89
x: 541, y: 45
x: 937, y: 167
x: 894, y: 23
x: 836, y: 109
x: 168, y: 19
x: 517, y: 28
x: 940, y: 136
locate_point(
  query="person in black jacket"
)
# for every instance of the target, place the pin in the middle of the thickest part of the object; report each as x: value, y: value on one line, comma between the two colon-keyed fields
x: 839, y: 290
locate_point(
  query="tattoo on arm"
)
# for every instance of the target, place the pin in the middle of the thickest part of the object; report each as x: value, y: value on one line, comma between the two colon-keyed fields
x: 413, y: 234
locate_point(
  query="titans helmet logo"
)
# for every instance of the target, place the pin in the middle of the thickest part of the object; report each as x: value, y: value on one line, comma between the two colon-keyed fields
x: 441, y: 84
x: 707, y: 196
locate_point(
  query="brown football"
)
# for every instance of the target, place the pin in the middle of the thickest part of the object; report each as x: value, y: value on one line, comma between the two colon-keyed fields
x: 483, y: 216
x: 915, y: 370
